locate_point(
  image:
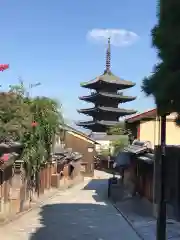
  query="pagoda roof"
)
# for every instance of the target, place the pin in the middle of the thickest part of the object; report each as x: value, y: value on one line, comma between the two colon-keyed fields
x: 108, y: 78
x: 97, y: 126
x: 120, y: 111
x: 116, y: 96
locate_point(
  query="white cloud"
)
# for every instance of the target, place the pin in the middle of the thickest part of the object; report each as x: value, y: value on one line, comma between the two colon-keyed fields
x: 119, y: 37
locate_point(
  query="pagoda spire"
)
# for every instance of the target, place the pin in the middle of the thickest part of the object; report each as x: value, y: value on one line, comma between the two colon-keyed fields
x: 108, y: 56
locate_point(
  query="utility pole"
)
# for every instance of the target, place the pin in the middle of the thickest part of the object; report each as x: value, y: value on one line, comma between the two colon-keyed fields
x: 161, y: 219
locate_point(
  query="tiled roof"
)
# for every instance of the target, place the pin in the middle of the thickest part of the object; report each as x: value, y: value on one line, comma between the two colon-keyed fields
x: 140, y: 116
x: 108, y: 109
x: 109, y: 77
x: 116, y: 96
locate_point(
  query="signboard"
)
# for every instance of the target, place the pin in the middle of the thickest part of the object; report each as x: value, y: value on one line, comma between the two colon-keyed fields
x: 90, y: 150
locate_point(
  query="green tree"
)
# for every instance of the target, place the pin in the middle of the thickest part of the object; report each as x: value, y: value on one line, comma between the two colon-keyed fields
x: 14, y: 116
x: 47, y: 113
x: 17, y: 113
x: 118, y: 129
x: 118, y: 145
x: 164, y: 84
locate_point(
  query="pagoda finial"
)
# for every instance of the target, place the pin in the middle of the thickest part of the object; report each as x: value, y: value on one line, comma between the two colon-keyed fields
x: 108, y: 56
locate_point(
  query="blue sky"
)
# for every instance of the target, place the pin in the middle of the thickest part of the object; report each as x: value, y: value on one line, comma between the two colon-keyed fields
x: 46, y: 41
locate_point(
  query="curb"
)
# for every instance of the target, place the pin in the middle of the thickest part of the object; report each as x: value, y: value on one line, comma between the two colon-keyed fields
x: 127, y: 220
x: 36, y: 205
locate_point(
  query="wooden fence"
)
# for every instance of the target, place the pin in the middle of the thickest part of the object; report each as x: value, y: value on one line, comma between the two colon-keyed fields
x: 17, y: 196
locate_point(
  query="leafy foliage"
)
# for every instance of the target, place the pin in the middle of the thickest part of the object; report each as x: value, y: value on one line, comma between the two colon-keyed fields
x: 104, y: 152
x: 119, y: 144
x: 118, y: 129
x: 14, y: 116
x: 164, y: 83
x: 17, y: 112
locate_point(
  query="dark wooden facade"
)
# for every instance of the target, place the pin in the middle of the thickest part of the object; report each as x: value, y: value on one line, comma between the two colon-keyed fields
x: 144, y: 181
x: 172, y: 180
x: 146, y: 178
x: 140, y: 174
x: 84, y: 145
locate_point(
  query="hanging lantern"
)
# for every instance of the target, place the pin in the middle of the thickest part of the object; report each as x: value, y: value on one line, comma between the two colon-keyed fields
x: 3, y: 67
x: 34, y: 124
x: 5, y: 157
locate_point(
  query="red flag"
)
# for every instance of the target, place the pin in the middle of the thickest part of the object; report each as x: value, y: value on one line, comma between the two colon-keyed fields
x: 3, y: 67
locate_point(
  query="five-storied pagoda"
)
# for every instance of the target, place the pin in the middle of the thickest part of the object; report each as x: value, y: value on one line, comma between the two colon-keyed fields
x: 106, y: 97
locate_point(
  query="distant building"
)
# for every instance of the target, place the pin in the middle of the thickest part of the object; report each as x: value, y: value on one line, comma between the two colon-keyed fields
x: 78, y: 142
x: 105, y: 141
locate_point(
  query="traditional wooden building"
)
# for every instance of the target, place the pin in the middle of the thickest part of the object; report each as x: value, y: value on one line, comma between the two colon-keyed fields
x: 105, y: 96
x: 82, y: 143
x: 146, y: 127
x: 146, y: 168
x: 147, y: 171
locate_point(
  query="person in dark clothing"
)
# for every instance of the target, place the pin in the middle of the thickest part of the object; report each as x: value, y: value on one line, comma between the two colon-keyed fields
x: 121, y: 163
x: 71, y: 169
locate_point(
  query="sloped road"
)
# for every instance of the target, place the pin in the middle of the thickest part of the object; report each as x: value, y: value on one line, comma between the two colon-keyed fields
x: 76, y: 214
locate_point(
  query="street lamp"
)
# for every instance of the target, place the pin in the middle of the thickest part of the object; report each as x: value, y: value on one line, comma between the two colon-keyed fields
x: 32, y: 85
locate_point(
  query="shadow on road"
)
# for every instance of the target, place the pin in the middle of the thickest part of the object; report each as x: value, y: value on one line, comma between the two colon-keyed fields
x: 98, y: 220
x: 80, y: 221
x: 73, y: 221
x: 76, y: 221
x: 100, y: 188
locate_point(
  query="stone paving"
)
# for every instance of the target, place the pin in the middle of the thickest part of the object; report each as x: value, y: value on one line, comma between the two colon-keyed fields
x: 78, y: 213
x: 139, y: 213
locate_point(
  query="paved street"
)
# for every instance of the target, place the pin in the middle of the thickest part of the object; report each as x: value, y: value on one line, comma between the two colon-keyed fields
x: 139, y: 213
x: 78, y: 213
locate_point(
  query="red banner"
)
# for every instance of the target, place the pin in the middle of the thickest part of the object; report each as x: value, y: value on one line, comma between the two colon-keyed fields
x: 3, y: 67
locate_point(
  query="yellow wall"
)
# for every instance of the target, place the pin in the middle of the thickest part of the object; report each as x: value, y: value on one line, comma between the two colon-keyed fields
x: 150, y: 131
x: 173, y: 134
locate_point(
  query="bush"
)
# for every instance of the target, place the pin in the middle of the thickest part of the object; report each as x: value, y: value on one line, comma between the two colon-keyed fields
x: 32, y: 121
